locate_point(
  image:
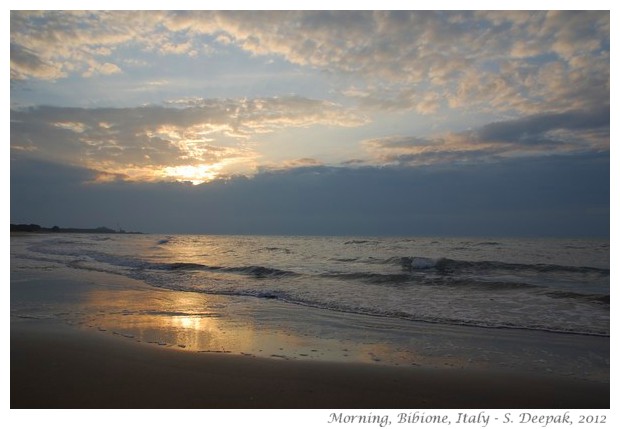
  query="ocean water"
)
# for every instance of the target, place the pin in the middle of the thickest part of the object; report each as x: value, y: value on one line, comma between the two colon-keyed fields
x: 553, y: 285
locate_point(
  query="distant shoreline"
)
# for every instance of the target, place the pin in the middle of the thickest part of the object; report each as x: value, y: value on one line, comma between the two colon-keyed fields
x: 55, y: 229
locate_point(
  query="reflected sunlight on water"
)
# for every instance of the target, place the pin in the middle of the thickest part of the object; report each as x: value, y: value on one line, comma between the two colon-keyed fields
x: 203, y: 323
x: 329, y: 298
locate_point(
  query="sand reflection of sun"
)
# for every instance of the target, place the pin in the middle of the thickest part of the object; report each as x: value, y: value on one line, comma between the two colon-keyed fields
x: 192, y: 321
x: 198, y: 322
x: 186, y: 322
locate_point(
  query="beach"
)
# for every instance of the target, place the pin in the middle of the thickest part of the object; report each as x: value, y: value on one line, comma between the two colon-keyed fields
x: 99, y: 362
x: 60, y: 367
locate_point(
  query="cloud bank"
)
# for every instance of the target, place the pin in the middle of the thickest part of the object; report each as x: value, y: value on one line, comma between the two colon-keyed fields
x: 561, y: 196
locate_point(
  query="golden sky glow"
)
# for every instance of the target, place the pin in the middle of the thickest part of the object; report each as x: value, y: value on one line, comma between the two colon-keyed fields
x: 196, y: 174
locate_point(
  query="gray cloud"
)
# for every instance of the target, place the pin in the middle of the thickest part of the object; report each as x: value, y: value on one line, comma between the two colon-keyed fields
x: 26, y: 63
x: 529, y: 136
x: 556, y: 195
x: 533, y: 127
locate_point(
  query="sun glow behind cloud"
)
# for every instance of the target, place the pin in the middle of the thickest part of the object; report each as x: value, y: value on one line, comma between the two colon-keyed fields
x: 196, y: 174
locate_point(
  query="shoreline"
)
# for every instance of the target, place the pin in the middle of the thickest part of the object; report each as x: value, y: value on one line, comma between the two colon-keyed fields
x: 83, y: 339
x: 58, y: 366
x: 195, y: 321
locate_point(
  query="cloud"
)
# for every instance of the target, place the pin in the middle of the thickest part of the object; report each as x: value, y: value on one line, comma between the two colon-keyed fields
x: 527, y: 129
x: 98, y: 68
x: 564, y: 196
x: 384, y: 98
x: 499, y: 61
x: 183, y: 138
x: 460, y: 57
x: 289, y: 165
x: 26, y: 63
x: 75, y: 42
x: 578, y: 131
x: 199, y: 139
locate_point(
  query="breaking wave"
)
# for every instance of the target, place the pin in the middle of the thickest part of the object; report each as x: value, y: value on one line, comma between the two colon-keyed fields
x: 445, y: 265
x: 362, y: 278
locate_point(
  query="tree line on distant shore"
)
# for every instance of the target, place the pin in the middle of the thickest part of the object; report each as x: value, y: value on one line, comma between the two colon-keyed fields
x: 38, y: 228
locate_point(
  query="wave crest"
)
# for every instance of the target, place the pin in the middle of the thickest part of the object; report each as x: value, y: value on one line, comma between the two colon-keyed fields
x: 453, y: 266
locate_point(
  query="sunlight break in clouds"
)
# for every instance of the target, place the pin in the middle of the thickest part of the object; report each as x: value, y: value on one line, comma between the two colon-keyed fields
x: 188, y: 140
x: 196, y: 174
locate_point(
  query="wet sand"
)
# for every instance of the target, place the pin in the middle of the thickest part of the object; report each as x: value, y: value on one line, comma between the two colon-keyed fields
x: 97, y: 340
x: 57, y: 366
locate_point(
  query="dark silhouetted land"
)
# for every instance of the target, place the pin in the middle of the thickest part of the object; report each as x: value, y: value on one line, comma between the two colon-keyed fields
x: 56, y: 229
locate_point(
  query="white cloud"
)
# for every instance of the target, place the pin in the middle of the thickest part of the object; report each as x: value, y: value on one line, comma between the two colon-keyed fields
x: 405, y: 57
x: 510, y: 62
x: 72, y: 41
x: 98, y: 68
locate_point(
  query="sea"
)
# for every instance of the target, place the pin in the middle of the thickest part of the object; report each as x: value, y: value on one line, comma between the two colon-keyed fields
x: 481, y: 305
x: 537, y: 284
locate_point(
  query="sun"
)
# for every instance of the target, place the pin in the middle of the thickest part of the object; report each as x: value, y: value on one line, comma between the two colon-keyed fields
x: 196, y: 174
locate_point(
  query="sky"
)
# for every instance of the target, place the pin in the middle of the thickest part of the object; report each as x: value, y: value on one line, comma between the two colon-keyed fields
x: 491, y: 123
